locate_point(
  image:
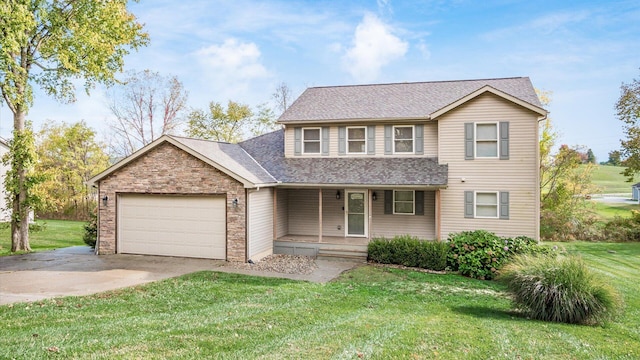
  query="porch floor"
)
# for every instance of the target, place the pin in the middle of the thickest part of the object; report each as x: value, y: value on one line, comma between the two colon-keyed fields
x: 336, y: 240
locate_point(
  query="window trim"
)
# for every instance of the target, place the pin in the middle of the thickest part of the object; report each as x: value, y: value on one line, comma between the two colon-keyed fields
x: 319, y: 141
x: 413, y: 139
x: 365, y: 140
x: 413, y: 203
x: 475, y: 204
x: 476, y: 140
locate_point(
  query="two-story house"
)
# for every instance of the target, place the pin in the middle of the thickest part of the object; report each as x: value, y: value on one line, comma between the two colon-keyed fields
x: 351, y: 163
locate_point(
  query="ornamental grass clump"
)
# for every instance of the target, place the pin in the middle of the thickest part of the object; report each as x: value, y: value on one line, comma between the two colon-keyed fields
x: 559, y: 289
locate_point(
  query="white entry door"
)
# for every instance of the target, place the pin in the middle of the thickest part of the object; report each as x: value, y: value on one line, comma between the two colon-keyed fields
x: 356, y: 214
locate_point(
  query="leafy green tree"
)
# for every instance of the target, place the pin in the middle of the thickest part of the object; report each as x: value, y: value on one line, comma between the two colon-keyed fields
x: 220, y: 124
x: 591, y: 157
x: 615, y: 158
x: 50, y: 43
x: 69, y: 156
x: 264, y: 121
x: 628, y: 111
x: 565, y: 185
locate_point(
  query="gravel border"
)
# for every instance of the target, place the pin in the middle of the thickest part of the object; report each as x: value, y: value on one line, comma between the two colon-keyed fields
x: 280, y: 263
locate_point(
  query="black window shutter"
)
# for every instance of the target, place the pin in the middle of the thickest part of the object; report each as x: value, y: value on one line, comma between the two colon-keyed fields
x: 419, y: 202
x: 388, y: 201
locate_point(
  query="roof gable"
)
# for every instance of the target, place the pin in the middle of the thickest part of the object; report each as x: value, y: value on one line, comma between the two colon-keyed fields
x: 399, y: 101
x: 231, y: 159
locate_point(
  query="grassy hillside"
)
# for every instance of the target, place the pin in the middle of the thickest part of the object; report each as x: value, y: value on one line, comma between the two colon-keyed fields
x: 609, y: 180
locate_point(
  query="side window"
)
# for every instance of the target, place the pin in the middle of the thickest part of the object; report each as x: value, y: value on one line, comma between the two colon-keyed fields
x: 357, y: 140
x: 486, y: 140
x: 486, y: 204
x: 403, y: 139
x: 311, y: 140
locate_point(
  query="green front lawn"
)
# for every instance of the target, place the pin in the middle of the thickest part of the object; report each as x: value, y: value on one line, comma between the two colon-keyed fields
x: 370, y: 313
x: 55, y: 234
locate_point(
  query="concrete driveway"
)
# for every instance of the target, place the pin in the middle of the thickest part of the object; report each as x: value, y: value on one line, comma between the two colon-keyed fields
x: 77, y: 271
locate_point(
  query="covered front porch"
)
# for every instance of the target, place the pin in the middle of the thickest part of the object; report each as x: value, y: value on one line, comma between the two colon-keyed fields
x: 340, y: 222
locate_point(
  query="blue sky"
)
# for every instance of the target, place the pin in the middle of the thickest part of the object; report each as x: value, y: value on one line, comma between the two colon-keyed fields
x: 581, y: 51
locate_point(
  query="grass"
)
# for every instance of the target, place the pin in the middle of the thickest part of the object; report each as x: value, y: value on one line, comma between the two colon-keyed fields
x: 609, y: 180
x: 56, y: 234
x: 370, y: 313
x: 607, y: 211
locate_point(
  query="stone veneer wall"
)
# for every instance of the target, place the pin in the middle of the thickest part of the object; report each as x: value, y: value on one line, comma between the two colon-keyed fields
x: 167, y: 169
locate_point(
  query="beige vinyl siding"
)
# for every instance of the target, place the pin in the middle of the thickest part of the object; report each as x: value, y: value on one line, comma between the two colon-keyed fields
x: 431, y: 139
x: 518, y: 175
x: 282, y: 211
x: 388, y: 225
x: 260, y: 223
x: 332, y: 213
x: 289, y: 141
x: 303, y: 211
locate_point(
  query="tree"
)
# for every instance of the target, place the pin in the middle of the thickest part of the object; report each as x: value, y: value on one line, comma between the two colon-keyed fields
x: 220, y: 124
x: 49, y: 43
x: 591, y: 157
x: 146, y: 106
x: 628, y: 111
x: 282, y: 97
x: 264, y: 121
x: 69, y: 156
x: 615, y: 158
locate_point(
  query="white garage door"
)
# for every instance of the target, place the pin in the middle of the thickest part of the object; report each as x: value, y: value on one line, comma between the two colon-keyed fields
x: 187, y: 226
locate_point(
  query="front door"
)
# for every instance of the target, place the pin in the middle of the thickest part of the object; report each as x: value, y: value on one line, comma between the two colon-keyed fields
x: 356, y: 213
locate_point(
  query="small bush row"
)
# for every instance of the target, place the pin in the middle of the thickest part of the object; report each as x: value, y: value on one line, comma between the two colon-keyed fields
x: 480, y: 254
x: 409, y: 251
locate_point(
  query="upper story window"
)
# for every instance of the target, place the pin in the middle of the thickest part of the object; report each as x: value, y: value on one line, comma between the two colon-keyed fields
x: 487, y: 140
x: 311, y: 140
x: 357, y: 140
x: 404, y: 202
x: 403, y: 139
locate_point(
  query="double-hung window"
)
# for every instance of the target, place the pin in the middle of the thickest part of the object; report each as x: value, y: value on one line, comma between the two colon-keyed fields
x: 486, y: 205
x: 404, y: 202
x: 311, y: 140
x: 486, y: 140
x: 403, y: 139
x: 357, y: 140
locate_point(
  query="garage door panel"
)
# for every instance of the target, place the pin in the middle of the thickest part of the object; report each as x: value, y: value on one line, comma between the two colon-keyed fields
x: 187, y: 226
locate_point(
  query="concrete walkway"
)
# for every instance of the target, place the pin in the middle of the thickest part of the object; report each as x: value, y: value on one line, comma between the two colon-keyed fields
x: 77, y: 271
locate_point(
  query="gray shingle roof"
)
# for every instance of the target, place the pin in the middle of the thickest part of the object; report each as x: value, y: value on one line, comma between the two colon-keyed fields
x: 393, y: 101
x: 230, y: 156
x: 268, y: 150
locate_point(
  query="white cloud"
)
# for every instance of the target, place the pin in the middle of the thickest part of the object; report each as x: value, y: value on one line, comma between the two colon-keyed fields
x: 424, y: 50
x: 230, y: 69
x: 374, y: 46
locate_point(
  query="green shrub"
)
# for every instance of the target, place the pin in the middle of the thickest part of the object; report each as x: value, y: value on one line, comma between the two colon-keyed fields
x: 559, y: 289
x: 409, y: 251
x: 480, y: 254
x: 623, y: 229
x: 90, y: 236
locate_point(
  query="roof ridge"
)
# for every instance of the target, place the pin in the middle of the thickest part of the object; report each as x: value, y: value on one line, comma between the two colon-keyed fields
x: 417, y: 82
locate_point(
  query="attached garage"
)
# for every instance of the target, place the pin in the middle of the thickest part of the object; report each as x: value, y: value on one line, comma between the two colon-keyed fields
x: 172, y: 225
